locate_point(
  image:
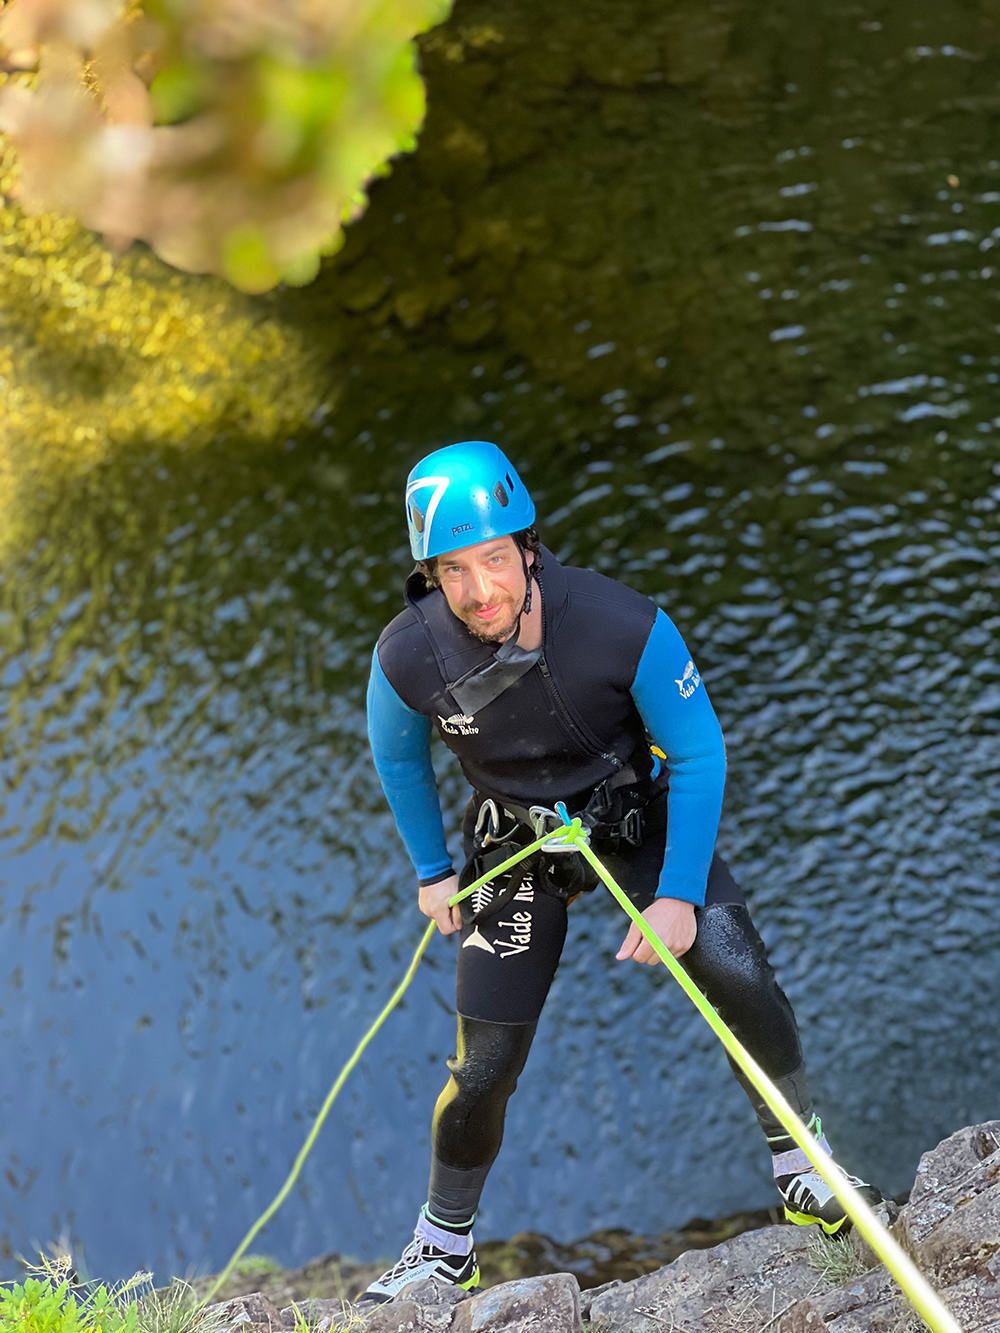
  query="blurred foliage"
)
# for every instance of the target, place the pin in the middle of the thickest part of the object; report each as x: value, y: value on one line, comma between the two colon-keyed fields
x: 96, y: 352
x: 236, y: 137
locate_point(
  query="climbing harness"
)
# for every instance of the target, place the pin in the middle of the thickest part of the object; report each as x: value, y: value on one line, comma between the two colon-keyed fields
x: 614, y: 813
x: 573, y: 835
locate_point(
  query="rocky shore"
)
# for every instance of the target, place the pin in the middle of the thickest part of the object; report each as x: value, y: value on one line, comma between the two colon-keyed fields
x: 773, y: 1279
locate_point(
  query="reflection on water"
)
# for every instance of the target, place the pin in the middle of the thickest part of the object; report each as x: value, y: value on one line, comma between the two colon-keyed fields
x: 724, y: 289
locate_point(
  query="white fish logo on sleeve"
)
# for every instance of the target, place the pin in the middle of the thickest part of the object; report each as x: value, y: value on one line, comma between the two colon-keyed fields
x: 689, y: 681
x: 459, y: 724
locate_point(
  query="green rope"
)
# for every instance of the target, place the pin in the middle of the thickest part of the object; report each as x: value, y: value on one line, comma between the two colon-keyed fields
x: 911, y: 1281
x: 359, y: 1050
x: 915, y: 1287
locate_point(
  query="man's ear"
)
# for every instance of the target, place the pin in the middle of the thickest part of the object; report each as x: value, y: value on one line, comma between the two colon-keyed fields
x: 529, y: 557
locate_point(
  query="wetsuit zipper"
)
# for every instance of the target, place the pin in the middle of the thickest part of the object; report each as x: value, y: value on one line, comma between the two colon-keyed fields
x: 584, y: 741
x: 574, y: 730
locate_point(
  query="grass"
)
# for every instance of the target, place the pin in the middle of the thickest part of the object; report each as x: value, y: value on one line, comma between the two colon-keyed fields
x: 51, y: 1299
x: 835, y: 1260
x: 348, y: 1322
x: 256, y: 1265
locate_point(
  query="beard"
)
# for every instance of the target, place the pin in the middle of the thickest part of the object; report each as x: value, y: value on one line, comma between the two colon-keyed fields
x: 497, y: 630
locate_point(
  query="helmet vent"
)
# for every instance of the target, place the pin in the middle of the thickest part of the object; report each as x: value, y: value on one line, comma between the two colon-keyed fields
x: 510, y: 484
x: 418, y: 518
x: 500, y: 494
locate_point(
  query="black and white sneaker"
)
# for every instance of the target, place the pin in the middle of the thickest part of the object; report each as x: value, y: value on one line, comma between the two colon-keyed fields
x: 430, y: 1254
x: 807, y: 1198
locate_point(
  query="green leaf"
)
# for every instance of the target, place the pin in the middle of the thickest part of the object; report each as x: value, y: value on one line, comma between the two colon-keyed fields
x: 177, y: 93
x: 299, y: 272
x: 247, y: 259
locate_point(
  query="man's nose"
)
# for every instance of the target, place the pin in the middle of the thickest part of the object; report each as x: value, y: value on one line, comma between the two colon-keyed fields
x: 482, y: 587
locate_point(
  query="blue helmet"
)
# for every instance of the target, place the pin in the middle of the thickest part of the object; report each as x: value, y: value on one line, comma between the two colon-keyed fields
x: 463, y: 494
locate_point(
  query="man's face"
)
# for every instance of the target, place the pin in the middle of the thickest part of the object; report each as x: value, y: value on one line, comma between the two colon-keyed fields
x: 485, y: 586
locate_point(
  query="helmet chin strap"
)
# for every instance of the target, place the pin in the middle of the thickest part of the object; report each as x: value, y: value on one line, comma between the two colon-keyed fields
x: 529, y: 573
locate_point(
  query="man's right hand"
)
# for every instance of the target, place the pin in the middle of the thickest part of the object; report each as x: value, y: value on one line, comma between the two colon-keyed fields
x: 433, y: 902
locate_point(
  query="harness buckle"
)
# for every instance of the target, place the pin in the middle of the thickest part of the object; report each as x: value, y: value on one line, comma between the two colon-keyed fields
x: 632, y: 827
x: 543, y: 821
x: 487, y: 822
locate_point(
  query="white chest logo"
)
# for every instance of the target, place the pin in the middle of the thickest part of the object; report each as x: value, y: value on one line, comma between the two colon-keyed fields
x: 690, y: 680
x: 459, y: 724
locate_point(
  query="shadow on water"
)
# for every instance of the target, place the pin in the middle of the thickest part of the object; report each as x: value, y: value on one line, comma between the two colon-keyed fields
x: 721, y: 281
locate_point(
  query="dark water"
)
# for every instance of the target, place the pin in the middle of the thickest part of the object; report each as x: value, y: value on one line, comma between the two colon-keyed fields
x: 721, y: 280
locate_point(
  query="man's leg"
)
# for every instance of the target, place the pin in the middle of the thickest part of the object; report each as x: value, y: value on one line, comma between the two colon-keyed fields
x: 467, y: 1128
x: 506, y: 962
x: 729, y: 963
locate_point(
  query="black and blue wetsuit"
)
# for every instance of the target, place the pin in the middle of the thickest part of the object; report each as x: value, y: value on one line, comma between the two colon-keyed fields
x: 613, y: 673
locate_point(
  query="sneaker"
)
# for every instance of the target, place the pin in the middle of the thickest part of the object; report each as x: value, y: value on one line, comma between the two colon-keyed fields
x: 426, y: 1257
x: 809, y: 1199
x: 806, y: 1195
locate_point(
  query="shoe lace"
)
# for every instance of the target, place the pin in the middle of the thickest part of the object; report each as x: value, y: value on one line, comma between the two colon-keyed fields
x: 799, y: 1187
x: 416, y: 1252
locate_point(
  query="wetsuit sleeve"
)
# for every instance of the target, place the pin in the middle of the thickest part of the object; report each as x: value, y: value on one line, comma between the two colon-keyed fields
x: 400, y: 744
x: 673, y: 704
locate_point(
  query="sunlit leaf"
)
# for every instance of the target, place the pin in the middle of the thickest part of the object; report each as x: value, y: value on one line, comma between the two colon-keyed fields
x: 247, y: 259
x: 177, y: 92
x: 228, y: 136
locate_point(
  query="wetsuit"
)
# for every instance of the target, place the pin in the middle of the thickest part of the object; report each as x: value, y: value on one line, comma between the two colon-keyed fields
x: 612, y: 673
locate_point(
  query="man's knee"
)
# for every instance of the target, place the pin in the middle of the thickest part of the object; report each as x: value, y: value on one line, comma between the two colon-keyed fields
x: 489, y: 1059
x: 729, y: 964
x: 728, y: 956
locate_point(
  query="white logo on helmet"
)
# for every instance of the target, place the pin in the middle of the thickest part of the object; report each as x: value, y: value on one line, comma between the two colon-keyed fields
x: 440, y: 485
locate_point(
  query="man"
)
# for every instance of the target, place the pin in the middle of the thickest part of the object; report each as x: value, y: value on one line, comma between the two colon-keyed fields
x: 554, y: 684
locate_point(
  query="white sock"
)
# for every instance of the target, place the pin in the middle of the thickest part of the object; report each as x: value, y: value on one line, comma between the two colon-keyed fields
x: 795, y: 1161
x: 444, y: 1240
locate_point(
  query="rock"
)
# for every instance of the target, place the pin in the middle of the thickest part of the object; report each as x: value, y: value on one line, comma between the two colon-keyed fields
x: 424, y: 1306
x: 761, y: 1273
x: 848, y: 1308
x: 951, y: 1224
x: 549, y: 1304
x: 255, y: 1309
x: 396, y: 1316
x: 975, y: 1307
x: 313, y: 1310
x: 975, y: 1304
x: 322, y: 1315
x: 588, y: 1297
x: 758, y: 1280
x: 441, y: 1295
x: 887, y: 1212
x: 951, y: 1227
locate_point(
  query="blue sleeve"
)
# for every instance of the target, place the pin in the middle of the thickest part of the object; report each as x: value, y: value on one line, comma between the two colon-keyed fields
x: 400, y: 742
x: 675, y: 708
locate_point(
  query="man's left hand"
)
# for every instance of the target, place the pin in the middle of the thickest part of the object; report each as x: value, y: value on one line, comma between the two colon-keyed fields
x: 673, y: 920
